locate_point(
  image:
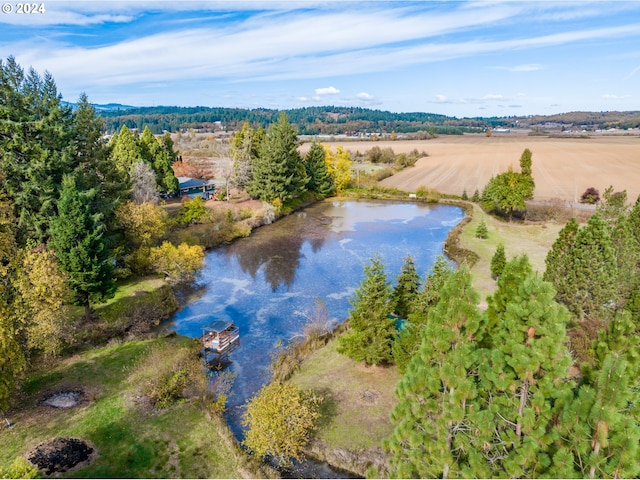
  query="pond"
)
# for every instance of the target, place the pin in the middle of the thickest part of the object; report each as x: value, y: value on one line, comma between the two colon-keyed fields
x: 268, y: 283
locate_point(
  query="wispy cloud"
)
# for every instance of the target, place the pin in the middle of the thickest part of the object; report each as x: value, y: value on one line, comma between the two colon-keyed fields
x: 531, y: 67
x: 611, y: 96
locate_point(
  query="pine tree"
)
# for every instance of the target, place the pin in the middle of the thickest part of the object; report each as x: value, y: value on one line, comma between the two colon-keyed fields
x: 436, y: 392
x: 522, y: 377
x: 464, y: 195
x: 319, y: 179
x: 406, y: 289
x: 498, y: 261
x: 476, y: 196
x: 627, y: 259
x: 278, y: 172
x: 371, y: 329
x: 77, y: 236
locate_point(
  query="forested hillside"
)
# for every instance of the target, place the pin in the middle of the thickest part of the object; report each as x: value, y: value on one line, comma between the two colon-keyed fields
x: 332, y: 120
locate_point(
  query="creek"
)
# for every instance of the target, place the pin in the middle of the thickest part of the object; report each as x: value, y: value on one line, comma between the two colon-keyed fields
x: 267, y: 283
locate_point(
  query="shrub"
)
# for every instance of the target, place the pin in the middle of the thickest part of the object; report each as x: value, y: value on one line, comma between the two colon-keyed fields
x: 193, y: 211
x: 281, y: 419
x: 169, y: 374
x: 590, y: 196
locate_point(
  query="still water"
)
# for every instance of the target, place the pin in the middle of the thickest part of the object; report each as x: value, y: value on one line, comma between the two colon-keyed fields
x: 267, y: 283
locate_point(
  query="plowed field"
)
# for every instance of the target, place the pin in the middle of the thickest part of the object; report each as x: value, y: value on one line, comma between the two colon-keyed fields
x: 563, y: 168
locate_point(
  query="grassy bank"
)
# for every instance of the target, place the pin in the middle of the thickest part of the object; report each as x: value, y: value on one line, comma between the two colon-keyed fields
x: 132, y: 439
x: 356, y: 408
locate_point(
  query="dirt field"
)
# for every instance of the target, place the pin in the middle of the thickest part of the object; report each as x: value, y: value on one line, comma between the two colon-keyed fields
x: 563, y: 168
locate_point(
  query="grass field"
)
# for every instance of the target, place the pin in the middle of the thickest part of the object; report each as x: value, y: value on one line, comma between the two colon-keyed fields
x: 132, y: 441
x: 562, y: 167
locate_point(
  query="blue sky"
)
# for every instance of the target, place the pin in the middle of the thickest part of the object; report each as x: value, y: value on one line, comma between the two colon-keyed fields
x: 456, y: 58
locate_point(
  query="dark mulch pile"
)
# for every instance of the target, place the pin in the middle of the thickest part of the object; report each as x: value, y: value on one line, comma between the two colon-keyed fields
x: 60, y: 454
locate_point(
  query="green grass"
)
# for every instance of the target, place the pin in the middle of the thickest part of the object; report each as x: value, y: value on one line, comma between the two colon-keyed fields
x: 534, y: 240
x: 133, y: 441
x: 352, y: 419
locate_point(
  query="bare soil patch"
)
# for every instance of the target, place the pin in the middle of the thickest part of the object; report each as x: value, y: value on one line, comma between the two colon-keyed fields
x: 62, y: 454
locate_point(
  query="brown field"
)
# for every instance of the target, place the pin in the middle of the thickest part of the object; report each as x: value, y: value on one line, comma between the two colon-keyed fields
x: 563, y: 168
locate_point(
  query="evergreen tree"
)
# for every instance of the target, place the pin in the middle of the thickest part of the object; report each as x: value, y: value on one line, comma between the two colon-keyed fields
x: 464, y: 195
x: 159, y: 156
x: 77, y: 236
x: 522, y: 378
x: 94, y: 166
x: 406, y: 289
x: 13, y: 362
x: 634, y: 221
x: 525, y: 162
x: 498, y: 261
x: 408, y: 341
x: 627, y: 259
x: 278, y: 172
x: 319, y: 179
x: 126, y: 150
x: 371, y: 330
x: 35, y: 139
x: 435, y: 394
x: 476, y: 196
x: 612, y: 206
x: 559, y: 260
x: 245, y: 149
x: 481, y: 230
x: 591, y: 289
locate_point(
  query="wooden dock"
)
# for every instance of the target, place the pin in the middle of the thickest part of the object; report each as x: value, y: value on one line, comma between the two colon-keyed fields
x: 220, y: 336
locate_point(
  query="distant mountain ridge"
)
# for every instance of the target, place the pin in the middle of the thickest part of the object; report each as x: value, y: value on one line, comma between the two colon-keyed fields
x: 332, y: 120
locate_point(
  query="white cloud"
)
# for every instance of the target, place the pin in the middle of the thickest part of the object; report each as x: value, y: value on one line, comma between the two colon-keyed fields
x: 530, y: 67
x: 611, y: 96
x: 493, y: 96
x: 364, y: 96
x: 327, y: 91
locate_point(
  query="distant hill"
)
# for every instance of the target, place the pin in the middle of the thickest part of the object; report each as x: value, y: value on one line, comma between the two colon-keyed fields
x: 332, y: 120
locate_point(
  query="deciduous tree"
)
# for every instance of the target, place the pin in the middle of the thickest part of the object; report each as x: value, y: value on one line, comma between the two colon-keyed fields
x: 280, y: 420
x: 179, y: 264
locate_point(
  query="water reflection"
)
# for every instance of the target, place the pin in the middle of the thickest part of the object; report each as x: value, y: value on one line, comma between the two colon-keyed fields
x: 267, y: 283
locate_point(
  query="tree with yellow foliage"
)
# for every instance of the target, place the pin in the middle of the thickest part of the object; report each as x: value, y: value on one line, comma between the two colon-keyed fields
x: 339, y: 166
x: 179, y: 264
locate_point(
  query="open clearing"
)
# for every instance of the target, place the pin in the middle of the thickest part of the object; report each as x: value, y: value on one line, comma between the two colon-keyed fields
x: 563, y: 168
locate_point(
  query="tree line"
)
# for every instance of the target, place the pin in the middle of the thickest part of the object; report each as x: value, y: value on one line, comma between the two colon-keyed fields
x: 76, y: 213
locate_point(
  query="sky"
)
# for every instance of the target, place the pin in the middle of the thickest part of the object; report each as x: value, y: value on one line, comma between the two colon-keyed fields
x: 458, y: 58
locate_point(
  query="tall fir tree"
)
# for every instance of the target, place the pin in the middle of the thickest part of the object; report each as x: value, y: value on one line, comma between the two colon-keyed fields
x: 559, y: 270
x: 436, y: 392
x: 278, y: 172
x: 126, y: 150
x: 319, y: 179
x: 409, y: 338
x: 77, y: 236
x: 35, y: 138
x: 371, y: 329
x: 406, y: 289
x: 94, y: 166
